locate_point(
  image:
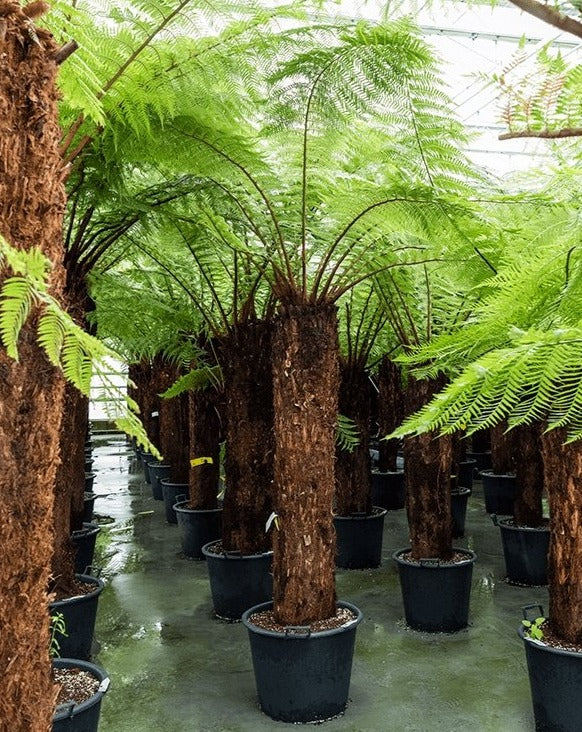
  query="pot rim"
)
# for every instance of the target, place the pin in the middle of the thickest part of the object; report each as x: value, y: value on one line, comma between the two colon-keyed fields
x: 180, y: 508
x: 398, y: 471
x: 490, y: 474
x: 438, y: 564
x: 88, y: 530
x: 461, y: 491
x: 170, y: 483
x: 506, y: 523
x: 546, y: 646
x: 300, y: 636
x: 71, y: 709
x: 377, y: 512
x: 232, y: 556
x: 89, y: 579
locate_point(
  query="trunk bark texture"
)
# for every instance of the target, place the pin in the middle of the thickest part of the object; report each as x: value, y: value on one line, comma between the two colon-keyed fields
x: 457, y: 451
x: 390, y: 411
x: 145, y: 375
x: 174, y: 424
x: 305, y: 387
x: 204, y: 442
x: 563, y: 478
x: 70, y: 482
x: 502, y: 450
x: 32, y: 201
x: 427, y: 471
x: 69, y: 487
x: 245, y: 357
x: 352, y: 469
x: 529, y: 475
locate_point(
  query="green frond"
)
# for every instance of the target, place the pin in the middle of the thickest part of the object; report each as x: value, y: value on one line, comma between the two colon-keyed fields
x: 200, y: 378
x: 51, y: 335
x: 17, y: 296
x: 347, y: 434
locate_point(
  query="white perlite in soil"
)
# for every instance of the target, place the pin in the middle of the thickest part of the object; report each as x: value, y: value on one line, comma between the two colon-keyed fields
x: 76, y: 685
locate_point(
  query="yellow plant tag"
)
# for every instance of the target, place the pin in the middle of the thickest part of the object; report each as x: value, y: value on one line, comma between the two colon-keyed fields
x: 201, y: 461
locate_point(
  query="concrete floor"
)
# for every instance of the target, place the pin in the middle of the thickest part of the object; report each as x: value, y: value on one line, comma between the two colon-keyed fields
x: 175, y: 668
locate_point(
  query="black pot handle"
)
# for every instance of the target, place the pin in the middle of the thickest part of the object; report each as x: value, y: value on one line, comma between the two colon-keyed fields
x: 303, y: 630
x: 182, y: 497
x: 67, y: 708
x: 494, y: 518
x: 232, y: 554
x: 525, y: 609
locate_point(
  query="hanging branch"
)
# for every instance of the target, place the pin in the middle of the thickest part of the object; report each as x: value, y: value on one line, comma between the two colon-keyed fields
x: 543, y: 134
x: 549, y: 15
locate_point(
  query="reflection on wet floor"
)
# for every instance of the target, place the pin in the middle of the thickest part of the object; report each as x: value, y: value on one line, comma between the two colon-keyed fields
x: 175, y: 668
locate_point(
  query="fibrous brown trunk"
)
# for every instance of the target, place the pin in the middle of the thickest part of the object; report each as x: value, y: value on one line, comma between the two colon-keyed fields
x: 502, y: 450
x: 427, y: 471
x: 352, y: 468
x: 245, y: 357
x: 529, y: 475
x: 204, y: 443
x: 305, y: 389
x: 70, y: 481
x: 69, y: 487
x: 563, y: 478
x: 32, y: 201
x: 457, y: 452
x: 146, y: 377
x: 390, y: 411
x: 174, y: 423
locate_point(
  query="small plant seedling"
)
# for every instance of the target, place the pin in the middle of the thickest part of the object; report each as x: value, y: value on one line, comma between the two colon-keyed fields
x: 534, y: 628
x: 58, y: 627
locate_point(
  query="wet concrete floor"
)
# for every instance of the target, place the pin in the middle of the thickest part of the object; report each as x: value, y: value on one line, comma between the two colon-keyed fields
x: 175, y: 668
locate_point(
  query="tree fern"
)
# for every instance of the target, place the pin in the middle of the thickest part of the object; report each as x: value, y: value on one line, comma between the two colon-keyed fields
x: 66, y: 345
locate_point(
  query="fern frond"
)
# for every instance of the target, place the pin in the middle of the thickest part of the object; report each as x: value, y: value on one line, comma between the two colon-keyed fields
x: 17, y: 296
x: 347, y: 434
x: 200, y: 378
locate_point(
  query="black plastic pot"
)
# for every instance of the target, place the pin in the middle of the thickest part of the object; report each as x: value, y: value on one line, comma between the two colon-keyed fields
x: 170, y: 492
x: 146, y: 459
x: 459, y: 499
x: 84, y: 540
x: 88, y: 506
x: 388, y: 489
x: 158, y: 472
x: 238, y: 581
x: 555, y: 679
x: 359, y: 539
x: 436, y: 594
x: 84, y: 717
x: 525, y: 550
x: 79, y: 615
x: 467, y: 473
x: 483, y: 459
x: 302, y: 676
x: 498, y: 491
x: 199, y: 527
x: 89, y: 480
